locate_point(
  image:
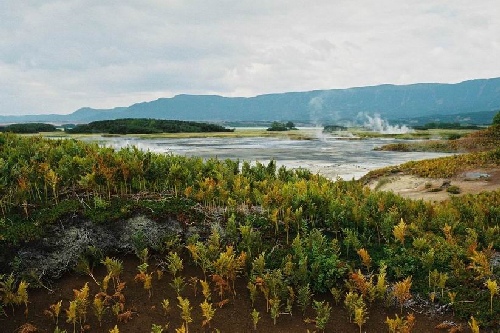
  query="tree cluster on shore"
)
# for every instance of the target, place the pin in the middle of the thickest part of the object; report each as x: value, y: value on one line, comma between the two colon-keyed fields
x: 146, y: 126
x: 28, y: 128
x: 277, y: 126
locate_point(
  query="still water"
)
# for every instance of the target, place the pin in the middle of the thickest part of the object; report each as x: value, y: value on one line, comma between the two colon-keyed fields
x: 330, y: 156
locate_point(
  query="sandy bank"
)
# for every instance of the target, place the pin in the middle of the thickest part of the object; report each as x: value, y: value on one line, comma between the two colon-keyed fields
x: 414, y: 187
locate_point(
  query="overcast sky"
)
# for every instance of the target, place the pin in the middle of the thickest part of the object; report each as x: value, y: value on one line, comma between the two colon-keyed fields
x: 58, y: 56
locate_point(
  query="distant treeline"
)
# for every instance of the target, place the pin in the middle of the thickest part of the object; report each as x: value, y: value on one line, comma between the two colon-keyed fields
x: 28, y: 128
x: 334, y: 128
x: 278, y: 126
x: 438, y: 125
x: 146, y: 126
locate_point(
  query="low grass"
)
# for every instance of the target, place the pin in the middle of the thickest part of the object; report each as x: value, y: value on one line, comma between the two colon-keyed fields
x: 413, y: 135
x: 443, y: 167
x: 382, y: 181
x: 452, y: 141
x: 302, y: 134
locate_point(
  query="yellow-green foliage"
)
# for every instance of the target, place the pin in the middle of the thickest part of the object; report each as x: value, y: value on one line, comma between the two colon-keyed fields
x: 252, y: 288
x: 114, y: 329
x: 205, y: 289
x: 200, y: 254
x: 71, y: 313
x: 165, y: 304
x: 400, y: 231
x: 365, y: 258
x: 208, y: 312
x: 352, y: 301
x: 114, y: 267
x: 7, y: 289
x: 228, y: 265
x: 480, y: 263
x: 443, y: 167
x: 402, y: 291
x: 148, y: 283
x: 446, y: 167
x: 255, y: 318
x: 186, y: 309
x: 105, y: 282
x: 493, y: 288
x: 22, y: 295
x: 360, y: 317
x: 474, y: 326
x: 82, y: 302
x: 323, y: 312
x: 362, y: 284
x: 381, y: 286
x: 9, y: 295
x: 178, y: 284
x: 99, y: 309
x: 174, y: 263
x: 181, y: 329
x: 401, y: 325
x: 275, y: 303
x: 55, y: 310
x: 157, y: 328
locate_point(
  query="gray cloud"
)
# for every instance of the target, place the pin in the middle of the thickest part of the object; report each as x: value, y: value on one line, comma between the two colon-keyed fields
x: 59, y: 55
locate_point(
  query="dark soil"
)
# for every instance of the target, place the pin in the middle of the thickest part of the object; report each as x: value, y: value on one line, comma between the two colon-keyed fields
x: 232, y: 317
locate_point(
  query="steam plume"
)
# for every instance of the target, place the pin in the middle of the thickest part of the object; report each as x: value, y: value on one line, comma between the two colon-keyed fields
x: 377, y: 124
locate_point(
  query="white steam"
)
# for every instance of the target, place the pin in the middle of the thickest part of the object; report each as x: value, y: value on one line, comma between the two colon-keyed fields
x: 315, y: 110
x: 319, y: 114
x: 377, y: 124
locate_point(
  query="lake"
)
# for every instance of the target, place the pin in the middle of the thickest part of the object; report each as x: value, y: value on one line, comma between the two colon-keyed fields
x: 328, y: 155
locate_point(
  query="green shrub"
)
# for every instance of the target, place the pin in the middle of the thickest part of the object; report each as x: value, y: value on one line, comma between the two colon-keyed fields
x: 496, y: 119
x: 453, y: 189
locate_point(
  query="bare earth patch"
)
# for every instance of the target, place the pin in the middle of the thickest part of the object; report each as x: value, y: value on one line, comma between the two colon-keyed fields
x: 439, y: 189
x: 233, y: 317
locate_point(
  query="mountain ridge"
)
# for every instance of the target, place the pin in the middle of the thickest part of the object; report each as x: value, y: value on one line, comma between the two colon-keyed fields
x: 392, y: 102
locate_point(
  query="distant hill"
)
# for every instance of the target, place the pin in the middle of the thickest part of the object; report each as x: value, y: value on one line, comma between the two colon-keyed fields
x: 340, y: 106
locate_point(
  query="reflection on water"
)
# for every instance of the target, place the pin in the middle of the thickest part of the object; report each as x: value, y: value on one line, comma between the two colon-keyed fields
x: 329, y: 156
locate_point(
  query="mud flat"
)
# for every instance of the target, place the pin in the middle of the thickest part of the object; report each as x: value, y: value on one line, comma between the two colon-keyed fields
x: 327, y: 155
